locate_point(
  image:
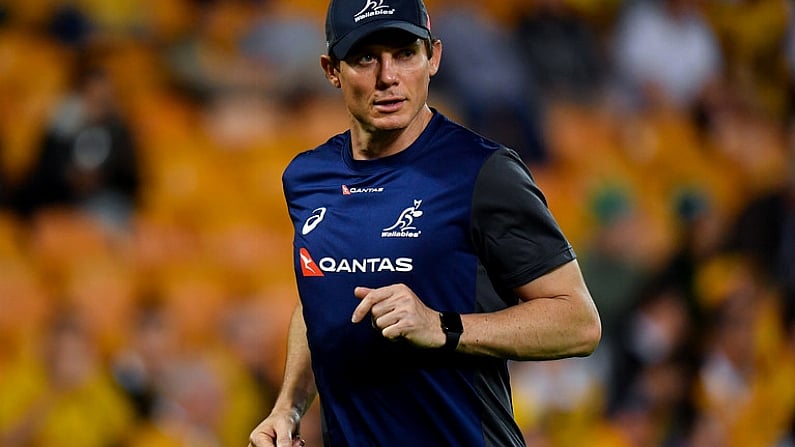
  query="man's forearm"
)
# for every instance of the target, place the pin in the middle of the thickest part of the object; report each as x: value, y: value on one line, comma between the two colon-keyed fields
x: 556, y: 319
x: 298, y: 386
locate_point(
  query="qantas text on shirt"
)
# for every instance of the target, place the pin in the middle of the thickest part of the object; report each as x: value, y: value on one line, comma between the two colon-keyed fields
x: 363, y: 265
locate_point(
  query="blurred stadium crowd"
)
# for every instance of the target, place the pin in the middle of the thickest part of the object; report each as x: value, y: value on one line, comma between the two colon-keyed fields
x: 145, y: 251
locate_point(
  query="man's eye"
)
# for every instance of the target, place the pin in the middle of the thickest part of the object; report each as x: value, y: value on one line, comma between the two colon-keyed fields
x: 366, y: 58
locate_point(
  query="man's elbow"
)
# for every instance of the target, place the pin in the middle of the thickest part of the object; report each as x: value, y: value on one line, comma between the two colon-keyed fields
x: 588, y: 336
x: 580, y: 340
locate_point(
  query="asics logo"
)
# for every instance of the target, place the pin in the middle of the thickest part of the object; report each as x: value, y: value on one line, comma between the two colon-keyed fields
x: 313, y: 220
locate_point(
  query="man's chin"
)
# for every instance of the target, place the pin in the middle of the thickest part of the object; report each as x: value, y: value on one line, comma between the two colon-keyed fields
x: 389, y: 123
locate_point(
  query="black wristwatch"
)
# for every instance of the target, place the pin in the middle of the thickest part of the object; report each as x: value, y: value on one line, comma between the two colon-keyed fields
x: 452, y: 327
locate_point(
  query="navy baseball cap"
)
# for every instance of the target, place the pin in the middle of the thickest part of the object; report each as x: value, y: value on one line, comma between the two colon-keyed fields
x: 348, y: 21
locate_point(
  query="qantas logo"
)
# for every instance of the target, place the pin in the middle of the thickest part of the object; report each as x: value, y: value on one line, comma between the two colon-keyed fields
x: 313, y: 220
x: 308, y: 266
x: 348, y: 191
x: 360, y: 265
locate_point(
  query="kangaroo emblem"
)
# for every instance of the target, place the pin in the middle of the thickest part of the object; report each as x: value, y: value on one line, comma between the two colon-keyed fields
x: 406, y: 219
x: 372, y: 5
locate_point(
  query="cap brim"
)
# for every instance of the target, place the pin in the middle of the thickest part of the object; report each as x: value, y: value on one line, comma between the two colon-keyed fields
x: 343, y: 46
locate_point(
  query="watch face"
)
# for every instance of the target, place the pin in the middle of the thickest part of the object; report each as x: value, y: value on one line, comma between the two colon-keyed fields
x: 451, y: 322
x: 453, y: 328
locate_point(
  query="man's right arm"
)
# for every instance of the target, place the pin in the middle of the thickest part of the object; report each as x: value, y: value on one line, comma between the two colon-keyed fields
x: 281, y: 427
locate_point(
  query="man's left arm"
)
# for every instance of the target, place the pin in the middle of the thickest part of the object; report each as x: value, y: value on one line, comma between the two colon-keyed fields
x: 556, y: 318
x: 524, y: 250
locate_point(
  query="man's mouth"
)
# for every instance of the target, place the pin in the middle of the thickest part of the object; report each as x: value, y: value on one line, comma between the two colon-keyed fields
x: 388, y: 105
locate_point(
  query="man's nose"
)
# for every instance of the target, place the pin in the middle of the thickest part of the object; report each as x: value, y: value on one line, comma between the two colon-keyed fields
x: 388, y: 70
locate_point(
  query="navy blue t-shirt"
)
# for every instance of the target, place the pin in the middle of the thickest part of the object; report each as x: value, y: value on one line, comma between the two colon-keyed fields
x: 455, y: 217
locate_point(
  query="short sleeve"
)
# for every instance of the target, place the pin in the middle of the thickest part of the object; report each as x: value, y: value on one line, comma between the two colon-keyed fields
x: 515, y: 235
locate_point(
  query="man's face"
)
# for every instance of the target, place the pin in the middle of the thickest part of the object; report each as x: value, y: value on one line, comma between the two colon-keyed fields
x: 384, y: 80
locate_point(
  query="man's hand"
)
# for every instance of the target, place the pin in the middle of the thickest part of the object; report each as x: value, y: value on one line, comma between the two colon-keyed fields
x: 399, y: 314
x: 279, y: 429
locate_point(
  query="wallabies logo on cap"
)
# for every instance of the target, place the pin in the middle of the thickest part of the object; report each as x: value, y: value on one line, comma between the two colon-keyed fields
x: 373, y: 8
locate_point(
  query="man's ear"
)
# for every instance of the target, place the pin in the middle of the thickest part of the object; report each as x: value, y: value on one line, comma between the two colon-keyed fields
x: 436, y: 58
x: 329, y: 70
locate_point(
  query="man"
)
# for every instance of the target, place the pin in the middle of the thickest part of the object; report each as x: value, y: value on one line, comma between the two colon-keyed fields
x: 425, y: 258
